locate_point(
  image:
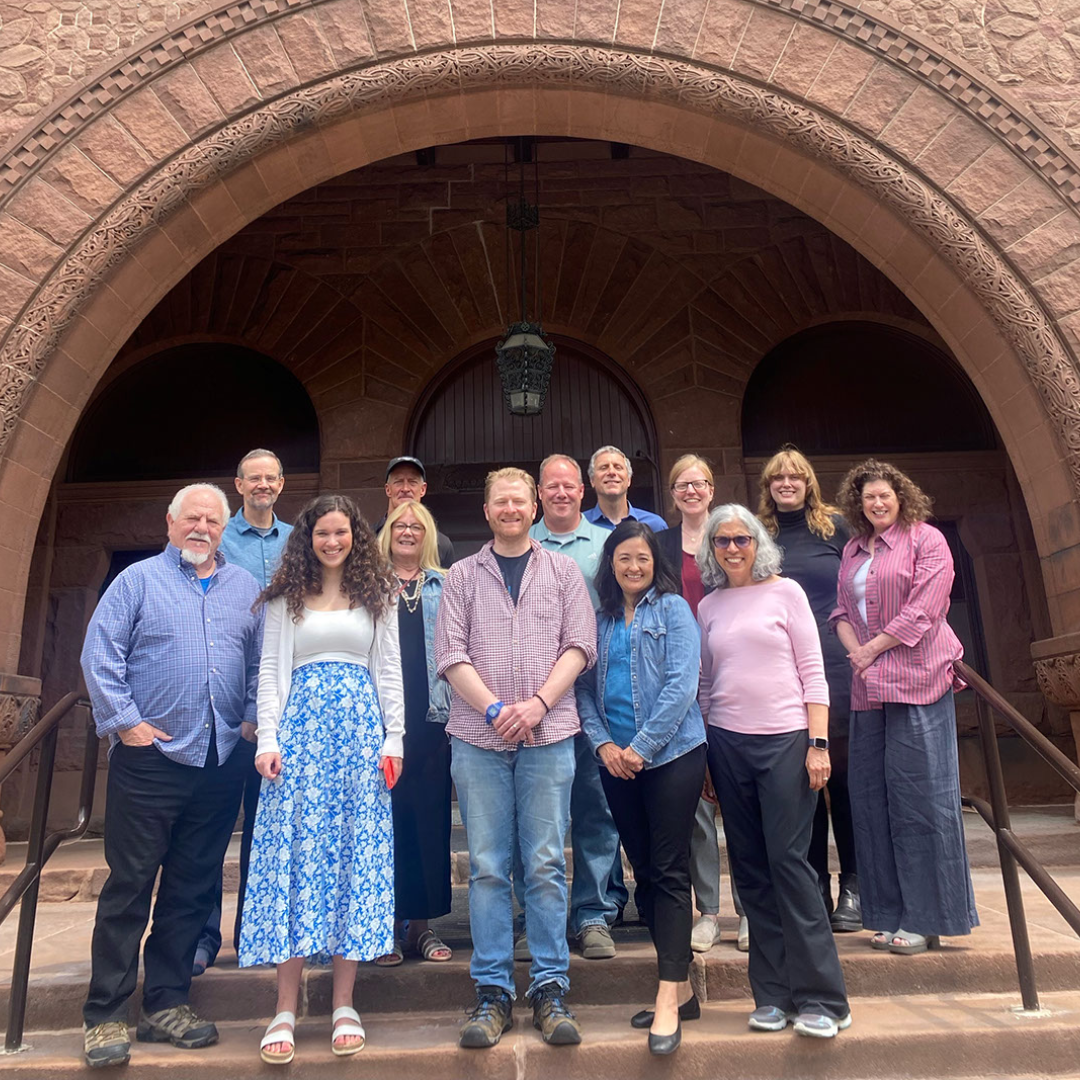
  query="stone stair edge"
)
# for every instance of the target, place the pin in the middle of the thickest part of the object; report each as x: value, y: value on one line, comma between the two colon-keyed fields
x: 965, y: 1037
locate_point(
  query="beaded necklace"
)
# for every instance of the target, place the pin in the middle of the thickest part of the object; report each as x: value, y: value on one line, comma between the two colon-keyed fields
x: 414, y: 599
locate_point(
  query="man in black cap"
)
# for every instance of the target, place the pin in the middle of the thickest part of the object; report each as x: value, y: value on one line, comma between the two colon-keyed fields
x: 406, y: 481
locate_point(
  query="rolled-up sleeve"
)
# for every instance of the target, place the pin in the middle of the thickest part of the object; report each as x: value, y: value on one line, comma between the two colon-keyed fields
x: 579, y: 618
x: 928, y: 598
x: 452, y: 622
x: 105, y: 655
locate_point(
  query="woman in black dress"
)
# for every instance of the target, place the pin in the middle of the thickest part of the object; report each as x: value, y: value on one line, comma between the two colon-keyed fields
x: 812, y: 534
x: 421, y: 798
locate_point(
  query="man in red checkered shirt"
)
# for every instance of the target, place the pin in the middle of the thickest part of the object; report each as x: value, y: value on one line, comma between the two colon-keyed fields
x: 515, y: 629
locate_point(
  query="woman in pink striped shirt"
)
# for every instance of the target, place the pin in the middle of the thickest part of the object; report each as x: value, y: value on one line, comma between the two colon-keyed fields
x: 896, y: 574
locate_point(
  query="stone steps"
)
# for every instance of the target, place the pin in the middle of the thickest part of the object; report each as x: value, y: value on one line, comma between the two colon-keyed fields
x: 902, y: 1036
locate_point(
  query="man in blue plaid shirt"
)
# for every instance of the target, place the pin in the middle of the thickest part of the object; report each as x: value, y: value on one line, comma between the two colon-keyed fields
x: 171, y: 661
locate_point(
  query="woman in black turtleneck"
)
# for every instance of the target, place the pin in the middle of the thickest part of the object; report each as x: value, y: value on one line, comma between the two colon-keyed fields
x: 812, y: 534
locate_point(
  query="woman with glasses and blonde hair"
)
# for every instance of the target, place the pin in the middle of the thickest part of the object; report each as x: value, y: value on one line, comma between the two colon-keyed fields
x: 691, y: 485
x: 421, y: 799
x: 812, y: 534
x: 765, y: 702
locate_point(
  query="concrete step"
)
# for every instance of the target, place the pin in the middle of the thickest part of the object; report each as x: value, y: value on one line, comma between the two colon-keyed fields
x: 963, y: 1036
x: 77, y: 871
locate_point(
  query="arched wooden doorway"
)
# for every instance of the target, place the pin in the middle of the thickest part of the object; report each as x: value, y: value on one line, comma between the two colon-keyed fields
x: 461, y: 430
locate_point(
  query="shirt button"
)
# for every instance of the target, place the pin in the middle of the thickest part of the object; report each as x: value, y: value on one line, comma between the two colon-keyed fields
x: 206, y: 726
x: 211, y: 644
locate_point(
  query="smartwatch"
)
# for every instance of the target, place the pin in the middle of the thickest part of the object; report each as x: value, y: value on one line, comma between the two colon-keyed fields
x: 493, y: 710
x: 818, y: 744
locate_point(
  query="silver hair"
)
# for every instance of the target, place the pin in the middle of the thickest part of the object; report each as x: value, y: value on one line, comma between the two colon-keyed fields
x: 184, y: 492
x: 552, y: 458
x: 767, y: 560
x: 610, y: 450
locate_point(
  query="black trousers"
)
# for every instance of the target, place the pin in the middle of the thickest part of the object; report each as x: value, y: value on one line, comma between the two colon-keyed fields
x: 654, y: 814
x: 210, y: 939
x: 768, y: 809
x: 163, y: 814
x: 838, y: 805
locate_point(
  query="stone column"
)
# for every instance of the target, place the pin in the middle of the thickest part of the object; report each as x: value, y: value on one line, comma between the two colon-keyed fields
x: 1057, y: 665
x: 20, y: 703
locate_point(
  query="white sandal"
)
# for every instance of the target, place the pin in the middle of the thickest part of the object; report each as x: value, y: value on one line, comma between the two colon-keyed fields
x: 285, y: 1035
x: 355, y: 1028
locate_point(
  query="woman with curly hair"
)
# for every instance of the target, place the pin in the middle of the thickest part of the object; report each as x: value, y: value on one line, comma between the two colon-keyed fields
x: 812, y: 535
x: 895, y: 578
x: 330, y: 725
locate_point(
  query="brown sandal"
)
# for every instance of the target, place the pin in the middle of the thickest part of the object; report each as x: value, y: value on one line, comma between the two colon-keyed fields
x: 429, y: 947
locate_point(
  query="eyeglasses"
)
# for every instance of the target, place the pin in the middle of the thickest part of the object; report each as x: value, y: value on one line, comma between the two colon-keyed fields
x: 403, y: 527
x: 270, y: 478
x: 691, y: 485
x: 723, y: 542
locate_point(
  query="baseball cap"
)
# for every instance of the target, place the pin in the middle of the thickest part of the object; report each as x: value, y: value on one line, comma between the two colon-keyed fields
x: 416, y: 463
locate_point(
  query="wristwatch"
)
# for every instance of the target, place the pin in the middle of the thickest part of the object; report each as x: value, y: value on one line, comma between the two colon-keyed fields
x: 493, y: 710
x: 820, y: 744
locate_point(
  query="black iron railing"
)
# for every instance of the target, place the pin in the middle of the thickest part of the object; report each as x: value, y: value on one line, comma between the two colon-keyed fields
x: 1011, y: 850
x: 41, y: 844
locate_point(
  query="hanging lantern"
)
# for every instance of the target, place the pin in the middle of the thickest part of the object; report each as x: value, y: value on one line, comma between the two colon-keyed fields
x: 525, y: 357
x: 525, y: 360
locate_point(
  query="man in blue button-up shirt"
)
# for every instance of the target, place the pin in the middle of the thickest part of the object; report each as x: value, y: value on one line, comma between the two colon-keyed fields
x: 171, y: 661
x: 255, y: 536
x: 610, y: 473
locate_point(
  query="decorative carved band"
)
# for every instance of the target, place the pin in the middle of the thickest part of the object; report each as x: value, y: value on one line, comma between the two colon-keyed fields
x: 1059, y: 680
x: 18, y: 714
x: 185, y: 42
x: 1014, y: 309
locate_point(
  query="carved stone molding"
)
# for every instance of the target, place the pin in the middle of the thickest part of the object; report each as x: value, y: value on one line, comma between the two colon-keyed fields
x: 18, y: 714
x: 904, y: 49
x: 1057, y: 666
x: 1012, y: 306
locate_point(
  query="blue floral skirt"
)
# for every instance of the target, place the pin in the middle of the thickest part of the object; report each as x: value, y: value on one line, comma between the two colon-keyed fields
x: 321, y: 876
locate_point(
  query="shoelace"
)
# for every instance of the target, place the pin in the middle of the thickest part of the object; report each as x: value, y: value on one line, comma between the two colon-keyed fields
x: 483, y: 1008
x: 106, y: 1034
x: 179, y: 1020
x: 552, y: 1005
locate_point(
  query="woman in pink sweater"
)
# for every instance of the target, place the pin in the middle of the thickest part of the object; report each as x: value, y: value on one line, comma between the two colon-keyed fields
x: 766, y: 706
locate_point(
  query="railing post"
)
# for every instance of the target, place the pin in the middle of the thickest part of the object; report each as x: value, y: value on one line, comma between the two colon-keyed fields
x: 24, y: 941
x: 999, y: 803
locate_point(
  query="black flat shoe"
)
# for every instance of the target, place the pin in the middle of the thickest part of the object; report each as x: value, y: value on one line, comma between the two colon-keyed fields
x: 847, y: 918
x: 688, y: 1010
x: 665, y: 1044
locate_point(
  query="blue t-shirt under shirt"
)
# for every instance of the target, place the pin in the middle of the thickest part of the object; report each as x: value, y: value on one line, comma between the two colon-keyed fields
x: 618, y: 694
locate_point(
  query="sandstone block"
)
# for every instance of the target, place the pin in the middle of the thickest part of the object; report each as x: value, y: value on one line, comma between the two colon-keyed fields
x: 1023, y: 209
x: 308, y: 50
x: 880, y: 98
x: 679, y: 26
x: 345, y: 30
x: 114, y: 151
x: 223, y: 74
x: 637, y: 23
x: 921, y: 117
x: 803, y: 57
x: 25, y: 251
x: 513, y: 19
x: 555, y: 19
x: 989, y: 178
x: 473, y: 20
x: 43, y: 207
x: 721, y: 30
x: 15, y: 290
x: 389, y: 23
x: 265, y: 60
x: 1049, y: 247
x: 953, y: 149
x: 188, y: 99
x: 842, y: 77
x: 764, y: 39
x: 150, y: 122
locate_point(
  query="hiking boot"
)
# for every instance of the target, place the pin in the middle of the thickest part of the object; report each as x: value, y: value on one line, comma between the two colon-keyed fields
x: 491, y: 1016
x: 106, y: 1044
x: 552, y: 1018
x: 179, y: 1026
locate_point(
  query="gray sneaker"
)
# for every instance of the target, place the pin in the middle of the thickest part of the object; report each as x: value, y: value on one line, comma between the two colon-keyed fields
x: 106, y: 1044
x: 179, y: 1026
x: 769, y: 1018
x: 819, y: 1026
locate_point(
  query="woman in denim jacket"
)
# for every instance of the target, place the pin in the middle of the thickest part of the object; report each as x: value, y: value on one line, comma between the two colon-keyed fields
x: 639, y: 710
x: 421, y: 798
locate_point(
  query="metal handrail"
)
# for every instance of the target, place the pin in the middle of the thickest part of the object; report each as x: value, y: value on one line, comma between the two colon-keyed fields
x: 996, y: 814
x: 41, y: 844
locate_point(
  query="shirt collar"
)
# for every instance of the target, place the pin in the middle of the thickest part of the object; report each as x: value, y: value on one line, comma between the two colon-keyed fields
x: 630, y: 513
x: 889, y: 537
x: 584, y: 530
x: 486, y: 555
x: 172, y: 553
x: 244, y: 525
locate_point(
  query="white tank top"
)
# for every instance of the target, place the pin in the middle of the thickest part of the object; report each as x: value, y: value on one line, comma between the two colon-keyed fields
x: 329, y: 636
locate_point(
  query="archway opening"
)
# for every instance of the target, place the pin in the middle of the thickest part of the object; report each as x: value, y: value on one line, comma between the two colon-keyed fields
x: 461, y: 430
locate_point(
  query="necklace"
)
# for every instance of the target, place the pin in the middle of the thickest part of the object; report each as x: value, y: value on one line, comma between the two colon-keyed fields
x: 417, y: 583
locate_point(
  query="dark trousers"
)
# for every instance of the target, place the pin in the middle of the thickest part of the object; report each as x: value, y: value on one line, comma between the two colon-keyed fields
x: 654, y: 814
x: 768, y: 809
x: 210, y: 939
x: 905, y: 791
x: 838, y: 806
x: 158, y: 813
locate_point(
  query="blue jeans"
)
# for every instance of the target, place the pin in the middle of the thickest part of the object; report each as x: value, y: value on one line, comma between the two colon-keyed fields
x: 524, y: 794
x: 597, y: 891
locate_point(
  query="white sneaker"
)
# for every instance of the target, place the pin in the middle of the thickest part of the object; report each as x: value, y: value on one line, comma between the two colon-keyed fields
x: 743, y: 942
x: 705, y: 935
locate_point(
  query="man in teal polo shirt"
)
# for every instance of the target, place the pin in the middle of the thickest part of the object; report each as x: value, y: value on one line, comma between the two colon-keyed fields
x: 597, y: 894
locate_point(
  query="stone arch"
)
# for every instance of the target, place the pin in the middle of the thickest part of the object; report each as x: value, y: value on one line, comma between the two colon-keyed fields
x: 188, y: 169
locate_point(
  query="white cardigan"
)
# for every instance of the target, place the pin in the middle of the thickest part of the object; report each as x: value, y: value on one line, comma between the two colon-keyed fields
x: 275, y: 677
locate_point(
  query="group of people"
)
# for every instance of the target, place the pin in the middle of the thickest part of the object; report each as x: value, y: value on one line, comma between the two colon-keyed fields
x: 592, y: 668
